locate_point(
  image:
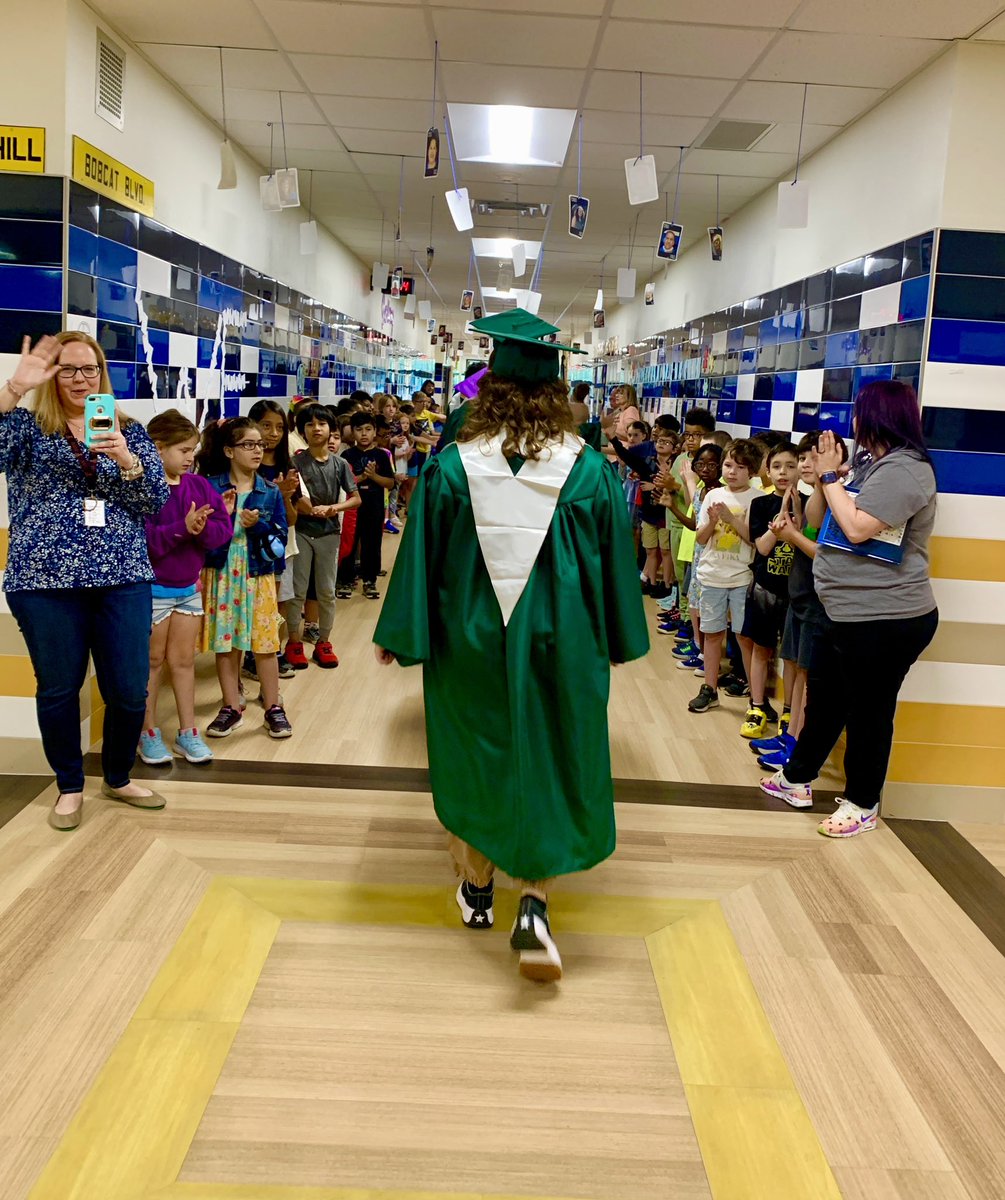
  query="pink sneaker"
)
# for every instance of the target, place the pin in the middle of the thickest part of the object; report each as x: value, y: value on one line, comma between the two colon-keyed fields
x: 848, y: 820
x: 798, y: 795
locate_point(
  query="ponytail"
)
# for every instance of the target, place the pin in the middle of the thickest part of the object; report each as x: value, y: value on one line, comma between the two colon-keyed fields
x: 217, y: 435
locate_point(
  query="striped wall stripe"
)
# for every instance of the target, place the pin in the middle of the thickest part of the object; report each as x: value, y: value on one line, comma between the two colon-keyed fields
x: 970, y: 517
x: 982, y: 766
x: 973, y: 558
x: 970, y: 601
x: 950, y: 724
x: 953, y: 683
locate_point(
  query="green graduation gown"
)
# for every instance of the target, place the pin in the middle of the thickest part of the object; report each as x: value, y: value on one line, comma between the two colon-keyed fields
x: 516, y: 714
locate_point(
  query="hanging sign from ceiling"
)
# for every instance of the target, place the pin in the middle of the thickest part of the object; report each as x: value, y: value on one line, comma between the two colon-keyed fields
x: 22, y: 149
x: 102, y: 173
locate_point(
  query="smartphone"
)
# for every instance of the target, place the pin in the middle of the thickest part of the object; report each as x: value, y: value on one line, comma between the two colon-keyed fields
x: 99, y: 417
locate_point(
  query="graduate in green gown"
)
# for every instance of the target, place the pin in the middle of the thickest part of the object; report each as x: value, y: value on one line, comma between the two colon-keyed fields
x: 515, y: 587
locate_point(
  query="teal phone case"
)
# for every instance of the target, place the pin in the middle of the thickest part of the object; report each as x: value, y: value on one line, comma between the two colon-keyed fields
x: 99, y: 417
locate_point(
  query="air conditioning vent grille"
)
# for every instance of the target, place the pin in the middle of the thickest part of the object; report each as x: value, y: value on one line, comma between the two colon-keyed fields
x: 735, y: 135
x: 110, y: 88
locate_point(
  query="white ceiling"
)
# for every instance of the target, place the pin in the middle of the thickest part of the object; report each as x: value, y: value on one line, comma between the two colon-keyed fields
x: 356, y: 78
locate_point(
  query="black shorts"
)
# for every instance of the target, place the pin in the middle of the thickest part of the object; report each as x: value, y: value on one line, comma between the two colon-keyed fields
x: 764, y: 616
x: 801, y: 641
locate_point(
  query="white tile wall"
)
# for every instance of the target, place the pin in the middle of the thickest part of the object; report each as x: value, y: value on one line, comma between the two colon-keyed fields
x: 881, y: 306
x: 153, y: 274
x: 809, y: 387
x: 745, y: 387
x: 183, y: 350
x: 249, y: 360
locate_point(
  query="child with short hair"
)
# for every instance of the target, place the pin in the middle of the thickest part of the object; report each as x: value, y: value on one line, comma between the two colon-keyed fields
x: 239, y: 582
x: 193, y: 522
x: 724, y: 569
x: 698, y: 422
x: 374, y: 475
x: 647, y: 465
x: 768, y: 594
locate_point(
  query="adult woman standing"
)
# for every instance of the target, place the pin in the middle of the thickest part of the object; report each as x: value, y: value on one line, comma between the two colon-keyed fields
x: 881, y: 614
x: 78, y: 576
x: 623, y: 410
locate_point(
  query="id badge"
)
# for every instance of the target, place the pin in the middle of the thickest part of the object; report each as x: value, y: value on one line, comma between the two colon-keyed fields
x: 94, y: 513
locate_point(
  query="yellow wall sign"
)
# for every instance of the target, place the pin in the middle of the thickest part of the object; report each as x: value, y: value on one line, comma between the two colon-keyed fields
x: 102, y: 173
x: 22, y: 148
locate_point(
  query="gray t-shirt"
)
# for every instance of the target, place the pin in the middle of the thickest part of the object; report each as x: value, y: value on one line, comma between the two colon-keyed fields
x: 898, y: 488
x: 326, y: 482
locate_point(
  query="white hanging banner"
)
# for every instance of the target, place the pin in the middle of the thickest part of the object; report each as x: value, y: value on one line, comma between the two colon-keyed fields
x: 626, y: 283
x: 519, y: 260
x: 640, y: 175
x: 459, y: 204
x: 308, y: 237
x: 793, y: 204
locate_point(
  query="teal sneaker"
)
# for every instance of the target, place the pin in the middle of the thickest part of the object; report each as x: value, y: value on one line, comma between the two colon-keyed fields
x: 190, y: 745
x: 152, y: 750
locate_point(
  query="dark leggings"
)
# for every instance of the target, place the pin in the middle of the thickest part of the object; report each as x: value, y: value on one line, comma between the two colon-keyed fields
x: 853, y: 685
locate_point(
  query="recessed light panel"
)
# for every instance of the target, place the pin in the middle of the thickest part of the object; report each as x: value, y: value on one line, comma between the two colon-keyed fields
x: 511, y: 133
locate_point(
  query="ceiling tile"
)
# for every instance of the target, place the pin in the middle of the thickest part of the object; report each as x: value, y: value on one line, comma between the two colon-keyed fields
x: 825, y: 104
x: 894, y: 18
x: 784, y: 139
x: 664, y: 95
x: 770, y: 14
x: 253, y: 69
x: 674, y: 50
x: 410, y: 145
x: 356, y: 31
x: 246, y: 105
x: 993, y: 32
x: 387, y: 78
x: 191, y: 22
x: 502, y: 38
x: 537, y: 87
x: 858, y: 60
x: 568, y: 8
x: 599, y: 126
x: 375, y: 113
x: 297, y: 137
x: 735, y: 162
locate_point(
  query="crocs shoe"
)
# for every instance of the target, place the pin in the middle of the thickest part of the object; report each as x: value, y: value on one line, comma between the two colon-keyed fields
x: 848, y: 820
x: 797, y: 795
x: 755, y: 722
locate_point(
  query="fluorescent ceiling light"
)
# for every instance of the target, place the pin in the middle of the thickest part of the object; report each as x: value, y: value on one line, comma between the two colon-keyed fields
x: 510, y: 133
x: 502, y: 247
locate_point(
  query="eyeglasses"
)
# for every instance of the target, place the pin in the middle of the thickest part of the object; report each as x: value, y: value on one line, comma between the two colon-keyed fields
x: 249, y: 445
x: 91, y: 371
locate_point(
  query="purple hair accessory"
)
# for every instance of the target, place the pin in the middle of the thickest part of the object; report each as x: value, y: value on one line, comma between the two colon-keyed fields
x: 468, y: 388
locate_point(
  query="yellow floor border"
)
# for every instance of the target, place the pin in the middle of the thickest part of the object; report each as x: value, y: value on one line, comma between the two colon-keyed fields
x: 131, y: 1135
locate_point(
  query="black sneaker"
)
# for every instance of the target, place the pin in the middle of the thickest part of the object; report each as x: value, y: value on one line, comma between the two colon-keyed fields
x: 531, y: 936
x: 286, y: 669
x: 277, y: 722
x: 370, y: 590
x: 248, y: 668
x: 343, y: 592
x: 705, y: 701
x: 735, y: 687
x: 475, y: 904
x: 770, y: 713
x: 225, y: 722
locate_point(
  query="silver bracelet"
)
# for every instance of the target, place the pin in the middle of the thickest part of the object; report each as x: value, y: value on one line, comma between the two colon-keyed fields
x: 133, y: 471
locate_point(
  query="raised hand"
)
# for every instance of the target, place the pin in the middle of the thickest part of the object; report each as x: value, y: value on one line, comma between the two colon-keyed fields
x: 288, y: 484
x: 230, y: 500
x: 249, y: 517
x: 196, y: 518
x: 37, y: 364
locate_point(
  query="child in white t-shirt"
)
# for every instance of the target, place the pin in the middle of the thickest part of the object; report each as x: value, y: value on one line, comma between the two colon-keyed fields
x: 724, y: 566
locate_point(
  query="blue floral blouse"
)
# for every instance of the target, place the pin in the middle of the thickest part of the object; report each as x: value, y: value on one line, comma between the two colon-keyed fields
x: 50, y: 546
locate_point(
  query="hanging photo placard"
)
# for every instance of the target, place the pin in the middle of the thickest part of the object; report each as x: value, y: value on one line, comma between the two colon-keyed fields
x: 467, y: 300
x: 715, y: 242
x: 650, y: 294
x: 640, y: 175
x: 432, y: 168
x: 579, y: 214
x: 478, y: 312
x: 396, y: 279
x: 669, y: 243
x: 599, y: 319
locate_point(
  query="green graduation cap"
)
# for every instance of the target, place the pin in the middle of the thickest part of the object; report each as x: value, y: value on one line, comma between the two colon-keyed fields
x: 520, y: 349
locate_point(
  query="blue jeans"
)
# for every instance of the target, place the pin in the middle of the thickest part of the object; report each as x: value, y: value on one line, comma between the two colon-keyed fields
x: 62, y: 627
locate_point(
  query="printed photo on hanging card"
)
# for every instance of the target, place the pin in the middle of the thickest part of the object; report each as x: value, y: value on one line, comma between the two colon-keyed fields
x: 598, y: 319
x: 432, y: 340
x: 431, y: 326
x: 715, y: 242
x: 396, y: 278
x: 442, y: 331
x: 467, y: 299
x: 669, y: 243
x: 478, y: 312
x: 483, y: 343
x: 579, y: 212
x: 650, y: 294
x: 448, y: 338
x: 432, y: 153
x: 460, y: 346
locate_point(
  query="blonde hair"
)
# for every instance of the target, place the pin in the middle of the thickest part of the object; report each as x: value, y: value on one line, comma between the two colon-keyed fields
x: 529, y: 414
x: 630, y: 393
x: 46, y: 405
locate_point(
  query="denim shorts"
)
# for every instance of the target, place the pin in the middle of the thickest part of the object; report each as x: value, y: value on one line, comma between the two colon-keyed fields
x: 717, y: 603
x: 189, y: 604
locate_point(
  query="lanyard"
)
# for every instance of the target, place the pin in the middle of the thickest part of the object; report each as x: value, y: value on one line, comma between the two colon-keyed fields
x: 87, y: 460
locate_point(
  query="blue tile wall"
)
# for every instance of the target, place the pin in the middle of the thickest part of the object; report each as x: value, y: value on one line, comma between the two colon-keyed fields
x: 979, y: 342
x: 33, y: 289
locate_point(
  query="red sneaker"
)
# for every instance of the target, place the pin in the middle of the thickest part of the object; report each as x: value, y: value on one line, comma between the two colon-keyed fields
x: 324, y: 655
x: 295, y: 656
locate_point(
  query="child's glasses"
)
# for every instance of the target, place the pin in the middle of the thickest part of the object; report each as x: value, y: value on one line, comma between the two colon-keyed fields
x: 249, y: 445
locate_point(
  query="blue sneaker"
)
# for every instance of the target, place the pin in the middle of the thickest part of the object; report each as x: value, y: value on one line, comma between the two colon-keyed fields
x: 775, y: 761
x: 773, y: 745
x: 152, y: 750
x: 684, y: 632
x: 684, y: 650
x: 694, y: 663
x: 665, y: 629
x: 190, y: 745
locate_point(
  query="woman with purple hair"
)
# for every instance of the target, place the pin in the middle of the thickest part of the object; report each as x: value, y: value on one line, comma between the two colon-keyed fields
x: 871, y: 575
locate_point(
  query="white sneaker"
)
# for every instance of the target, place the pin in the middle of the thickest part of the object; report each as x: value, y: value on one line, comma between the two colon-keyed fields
x: 847, y: 820
x: 797, y: 795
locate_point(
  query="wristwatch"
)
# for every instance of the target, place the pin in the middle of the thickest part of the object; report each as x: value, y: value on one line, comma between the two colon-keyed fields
x: 133, y: 471
x: 829, y: 477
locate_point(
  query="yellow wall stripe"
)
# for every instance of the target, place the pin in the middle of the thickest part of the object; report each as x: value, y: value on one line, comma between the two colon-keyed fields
x: 974, y: 766
x: 4, y: 543
x: 16, y: 675
x: 949, y: 724
x: 966, y: 558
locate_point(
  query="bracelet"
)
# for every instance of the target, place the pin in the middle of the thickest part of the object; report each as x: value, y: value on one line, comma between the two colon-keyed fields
x: 9, y: 385
x: 133, y: 471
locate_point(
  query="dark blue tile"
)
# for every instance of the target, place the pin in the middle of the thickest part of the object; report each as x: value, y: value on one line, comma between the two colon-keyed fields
x: 787, y: 356
x: 83, y: 251
x: 966, y: 252
x: 734, y: 339
x: 205, y: 355
x: 812, y: 353
x: 210, y: 293
x: 116, y: 301
x: 231, y: 406
x: 766, y: 357
x: 963, y: 428
x: 159, y: 340
x: 965, y: 297
x: 81, y: 294
x: 768, y: 334
x: 31, y: 243
x: 968, y: 473
x: 967, y: 342
x: 37, y: 289
x: 33, y: 197
x: 118, y: 224
x: 123, y: 377
x: 729, y: 385
x: 145, y: 387
x: 835, y: 416
x: 785, y: 385
x: 805, y: 417
x: 864, y: 375
x: 760, y: 414
x: 908, y: 341
x: 16, y: 325
x: 885, y: 266
x: 876, y: 345
x: 838, y: 383
x: 743, y: 412
x: 116, y: 262
x: 275, y: 385
x: 85, y: 206
x: 849, y: 278
x: 914, y: 298
x: 842, y: 349
x: 118, y: 340
x: 908, y: 372
x: 790, y: 326
x: 764, y: 387
x: 748, y: 362
x: 184, y: 285
x: 918, y: 255
x: 845, y: 314
x: 158, y: 310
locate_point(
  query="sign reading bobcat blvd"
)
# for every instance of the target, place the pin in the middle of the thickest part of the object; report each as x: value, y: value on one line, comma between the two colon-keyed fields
x: 102, y: 173
x: 22, y: 148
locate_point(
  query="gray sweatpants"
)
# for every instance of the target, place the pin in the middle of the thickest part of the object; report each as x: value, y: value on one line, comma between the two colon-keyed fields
x: 321, y: 553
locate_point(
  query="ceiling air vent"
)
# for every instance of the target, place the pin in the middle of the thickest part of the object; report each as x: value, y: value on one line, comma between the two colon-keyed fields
x: 110, y: 91
x: 735, y: 135
x: 511, y: 208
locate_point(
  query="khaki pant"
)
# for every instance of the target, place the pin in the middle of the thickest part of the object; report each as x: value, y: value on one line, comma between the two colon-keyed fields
x: 472, y: 865
x: 680, y: 569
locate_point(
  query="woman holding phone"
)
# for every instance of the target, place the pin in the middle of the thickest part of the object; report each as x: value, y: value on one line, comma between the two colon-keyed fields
x: 78, y: 575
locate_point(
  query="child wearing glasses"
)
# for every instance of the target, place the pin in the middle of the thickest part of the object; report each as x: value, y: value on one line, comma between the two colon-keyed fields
x: 239, y: 583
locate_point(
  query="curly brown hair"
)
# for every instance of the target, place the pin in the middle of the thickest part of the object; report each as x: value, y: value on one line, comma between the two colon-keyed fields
x: 529, y: 414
